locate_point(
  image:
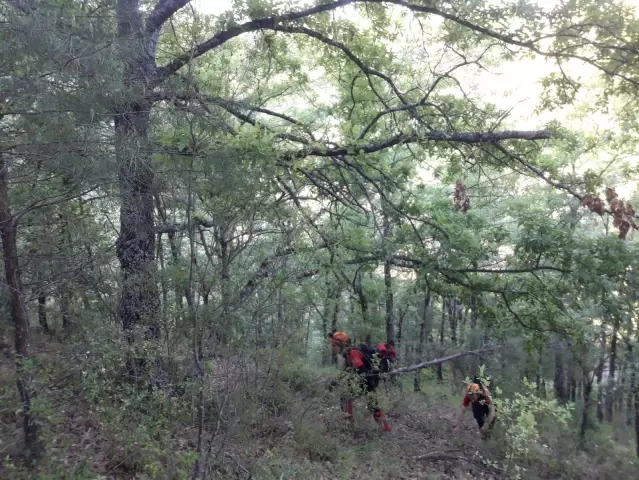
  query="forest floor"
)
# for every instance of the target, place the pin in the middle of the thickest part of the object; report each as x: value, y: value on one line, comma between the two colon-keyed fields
x: 310, y: 440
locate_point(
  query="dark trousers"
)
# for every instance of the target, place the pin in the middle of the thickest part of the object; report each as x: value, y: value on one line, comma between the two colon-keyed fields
x: 480, y: 412
x: 358, y: 386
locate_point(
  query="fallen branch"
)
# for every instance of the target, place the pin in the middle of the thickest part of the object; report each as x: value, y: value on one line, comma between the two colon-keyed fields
x: 437, y: 361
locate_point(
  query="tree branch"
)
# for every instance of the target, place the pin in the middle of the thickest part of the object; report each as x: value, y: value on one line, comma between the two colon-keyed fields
x: 436, y: 136
x: 541, y: 174
x: 437, y: 361
x: 234, y: 31
x: 181, y: 227
x: 266, y: 269
x: 513, y: 270
x: 161, y: 13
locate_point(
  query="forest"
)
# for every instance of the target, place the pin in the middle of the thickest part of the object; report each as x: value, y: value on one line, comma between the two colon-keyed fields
x: 219, y: 216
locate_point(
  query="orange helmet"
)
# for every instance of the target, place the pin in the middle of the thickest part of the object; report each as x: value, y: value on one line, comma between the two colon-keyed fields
x: 474, y: 388
x: 339, y: 338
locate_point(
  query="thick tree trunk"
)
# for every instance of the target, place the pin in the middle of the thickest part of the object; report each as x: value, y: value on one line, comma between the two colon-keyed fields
x: 612, y: 371
x: 19, y: 316
x: 139, y: 301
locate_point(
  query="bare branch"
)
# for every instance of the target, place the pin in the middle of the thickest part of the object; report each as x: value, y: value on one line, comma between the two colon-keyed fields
x: 437, y: 361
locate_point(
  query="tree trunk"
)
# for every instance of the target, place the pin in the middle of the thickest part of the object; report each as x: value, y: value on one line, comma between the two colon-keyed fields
x: 463, y: 318
x: 423, y: 336
x: 42, y: 312
x: 636, y: 394
x: 330, y: 313
x: 19, y: 316
x: 388, y: 283
x: 390, y: 324
x: 612, y: 371
x: 539, y: 376
x: 636, y: 402
x: 139, y: 301
x: 223, y: 328
x: 474, y: 334
x: 619, y: 394
x: 163, y: 285
x: 363, y: 301
x: 600, y: 367
x: 571, y: 380
x: 633, y: 385
x: 452, y: 318
x: 64, y: 307
x: 440, y: 373
x: 337, y: 292
x: 560, y: 376
x: 400, y: 329
x: 585, y: 411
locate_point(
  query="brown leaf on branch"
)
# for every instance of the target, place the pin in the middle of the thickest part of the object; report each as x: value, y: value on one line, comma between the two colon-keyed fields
x: 623, y: 214
x: 460, y: 197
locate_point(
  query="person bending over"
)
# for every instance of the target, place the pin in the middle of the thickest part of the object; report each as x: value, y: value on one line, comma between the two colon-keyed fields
x: 362, y: 374
x: 478, y: 398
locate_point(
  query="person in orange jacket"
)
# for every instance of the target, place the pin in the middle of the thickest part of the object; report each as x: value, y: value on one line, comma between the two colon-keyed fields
x: 478, y: 397
x: 359, y: 360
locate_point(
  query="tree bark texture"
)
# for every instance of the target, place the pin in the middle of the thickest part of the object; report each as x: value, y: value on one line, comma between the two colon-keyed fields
x: 612, y: 372
x: 442, y: 328
x: 388, y: 283
x: 424, y: 332
x: 560, y: 375
x: 139, y: 302
x: 585, y: 412
x: 19, y: 316
x: 42, y: 312
x: 600, y: 368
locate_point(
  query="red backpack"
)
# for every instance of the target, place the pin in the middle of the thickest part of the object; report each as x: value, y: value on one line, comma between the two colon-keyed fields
x: 387, y: 355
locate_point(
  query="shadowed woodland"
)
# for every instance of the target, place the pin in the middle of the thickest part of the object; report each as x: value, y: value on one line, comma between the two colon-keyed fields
x: 194, y: 196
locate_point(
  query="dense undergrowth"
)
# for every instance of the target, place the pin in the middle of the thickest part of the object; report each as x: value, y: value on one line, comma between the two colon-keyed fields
x: 281, y: 422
